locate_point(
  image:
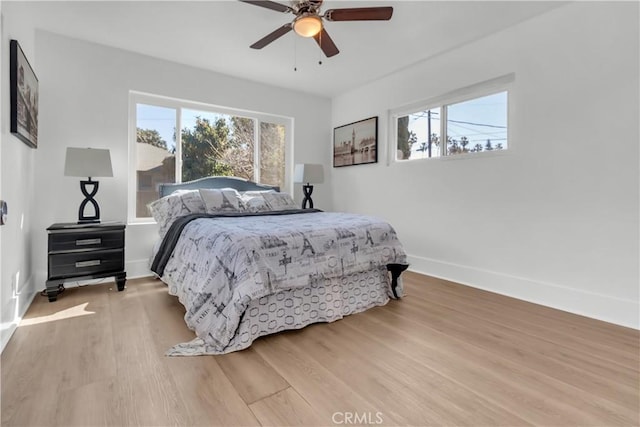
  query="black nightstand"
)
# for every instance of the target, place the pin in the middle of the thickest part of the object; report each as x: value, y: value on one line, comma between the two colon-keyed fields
x: 85, y: 251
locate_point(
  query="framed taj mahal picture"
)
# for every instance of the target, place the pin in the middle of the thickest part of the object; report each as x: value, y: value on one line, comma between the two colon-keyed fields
x: 24, y: 97
x: 356, y: 143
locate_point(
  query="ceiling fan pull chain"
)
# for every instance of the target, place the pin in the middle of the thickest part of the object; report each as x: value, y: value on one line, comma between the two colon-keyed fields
x: 319, y: 52
x: 295, y: 54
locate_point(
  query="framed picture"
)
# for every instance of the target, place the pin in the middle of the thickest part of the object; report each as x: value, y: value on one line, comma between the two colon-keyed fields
x: 356, y: 143
x: 24, y: 97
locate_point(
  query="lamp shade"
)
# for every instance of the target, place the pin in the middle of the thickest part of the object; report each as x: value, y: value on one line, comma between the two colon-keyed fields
x: 308, y: 173
x: 89, y: 162
x: 307, y: 25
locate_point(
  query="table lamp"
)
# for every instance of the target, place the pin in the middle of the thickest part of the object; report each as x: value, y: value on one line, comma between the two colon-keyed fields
x: 89, y: 162
x: 309, y: 174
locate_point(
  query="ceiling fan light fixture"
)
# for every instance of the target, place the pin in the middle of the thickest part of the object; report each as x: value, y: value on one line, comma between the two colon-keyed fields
x: 307, y: 25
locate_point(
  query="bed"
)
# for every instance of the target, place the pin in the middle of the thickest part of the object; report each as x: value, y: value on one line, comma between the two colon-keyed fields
x: 246, y: 262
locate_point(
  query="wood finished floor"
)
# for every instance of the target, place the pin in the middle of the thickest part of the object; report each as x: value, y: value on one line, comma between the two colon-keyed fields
x: 446, y: 354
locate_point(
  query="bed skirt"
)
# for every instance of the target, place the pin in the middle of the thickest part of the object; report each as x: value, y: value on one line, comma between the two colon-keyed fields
x: 323, y: 301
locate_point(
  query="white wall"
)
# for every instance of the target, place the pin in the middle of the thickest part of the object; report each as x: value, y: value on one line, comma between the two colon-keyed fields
x: 84, y: 103
x: 17, y: 166
x: 555, y: 220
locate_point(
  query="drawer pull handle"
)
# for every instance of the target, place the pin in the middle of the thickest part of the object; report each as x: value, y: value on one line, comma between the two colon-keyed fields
x: 84, y: 242
x: 90, y: 263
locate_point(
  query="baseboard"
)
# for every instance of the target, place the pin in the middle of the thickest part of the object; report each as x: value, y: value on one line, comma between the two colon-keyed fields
x: 19, y: 305
x: 597, y: 306
x: 138, y: 268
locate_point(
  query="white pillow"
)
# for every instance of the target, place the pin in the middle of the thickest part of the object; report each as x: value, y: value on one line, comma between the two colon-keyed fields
x: 253, y: 201
x: 179, y: 203
x: 221, y: 200
x: 279, y: 201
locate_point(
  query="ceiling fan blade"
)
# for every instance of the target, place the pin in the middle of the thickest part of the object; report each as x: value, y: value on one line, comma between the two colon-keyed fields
x: 272, y: 36
x: 360, y: 14
x: 326, y: 44
x: 269, y: 5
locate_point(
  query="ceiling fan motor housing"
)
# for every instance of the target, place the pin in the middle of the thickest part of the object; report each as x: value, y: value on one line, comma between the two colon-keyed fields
x: 308, y: 6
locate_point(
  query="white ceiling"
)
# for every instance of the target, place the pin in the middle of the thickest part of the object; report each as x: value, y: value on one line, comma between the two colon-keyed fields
x: 216, y: 35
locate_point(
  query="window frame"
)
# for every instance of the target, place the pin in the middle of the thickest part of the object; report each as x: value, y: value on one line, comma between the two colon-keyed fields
x: 136, y: 97
x: 468, y: 93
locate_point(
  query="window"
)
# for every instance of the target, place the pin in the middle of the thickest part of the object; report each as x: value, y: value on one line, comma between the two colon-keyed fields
x: 155, y: 150
x: 443, y: 127
x: 413, y: 130
x: 212, y: 141
x: 477, y: 125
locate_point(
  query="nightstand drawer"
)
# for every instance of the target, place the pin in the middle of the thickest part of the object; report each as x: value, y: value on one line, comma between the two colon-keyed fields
x: 71, y: 241
x: 85, y: 263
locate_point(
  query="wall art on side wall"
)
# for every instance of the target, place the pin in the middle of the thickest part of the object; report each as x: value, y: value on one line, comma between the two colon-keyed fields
x: 24, y: 97
x: 356, y: 143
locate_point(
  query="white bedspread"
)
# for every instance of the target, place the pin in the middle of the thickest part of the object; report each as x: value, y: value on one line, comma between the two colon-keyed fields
x: 220, y: 264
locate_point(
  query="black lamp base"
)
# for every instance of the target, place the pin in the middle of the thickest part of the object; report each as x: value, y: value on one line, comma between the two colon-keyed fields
x: 307, y: 190
x: 88, y: 219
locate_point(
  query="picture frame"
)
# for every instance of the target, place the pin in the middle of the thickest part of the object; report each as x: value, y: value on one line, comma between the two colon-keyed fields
x: 356, y: 143
x: 24, y: 96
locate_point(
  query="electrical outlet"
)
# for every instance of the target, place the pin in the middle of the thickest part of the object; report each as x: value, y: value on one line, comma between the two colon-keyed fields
x: 15, y: 281
x: 3, y: 212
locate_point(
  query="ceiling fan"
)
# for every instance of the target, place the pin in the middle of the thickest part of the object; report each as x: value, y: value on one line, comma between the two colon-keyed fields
x: 308, y: 21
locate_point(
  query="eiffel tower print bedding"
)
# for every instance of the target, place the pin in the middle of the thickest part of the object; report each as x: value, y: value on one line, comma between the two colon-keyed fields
x: 234, y: 271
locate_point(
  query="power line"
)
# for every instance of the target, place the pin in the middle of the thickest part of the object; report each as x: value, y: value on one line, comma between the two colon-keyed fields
x: 422, y: 115
x: 476, y: 132
x: 477, y: 124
